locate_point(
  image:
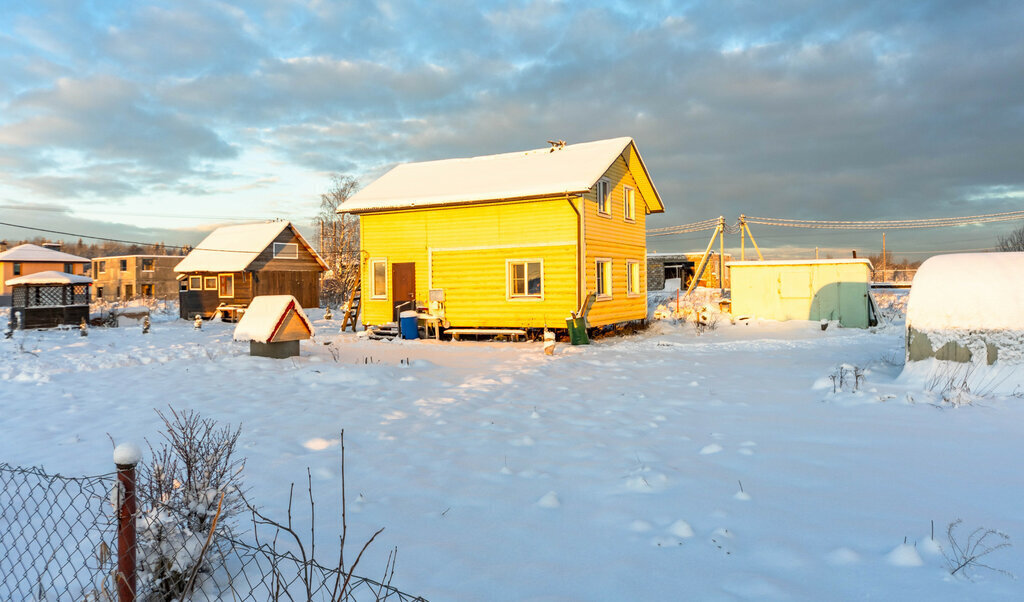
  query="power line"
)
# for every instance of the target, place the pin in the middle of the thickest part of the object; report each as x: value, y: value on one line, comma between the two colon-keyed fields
x: 900, y: 224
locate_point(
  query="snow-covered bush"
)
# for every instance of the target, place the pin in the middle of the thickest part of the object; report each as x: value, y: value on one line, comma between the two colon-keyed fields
x: 846, y: 377
x: 965, y: 555
x: 188, y: 494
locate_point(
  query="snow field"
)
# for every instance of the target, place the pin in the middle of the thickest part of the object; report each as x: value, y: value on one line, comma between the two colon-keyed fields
x: 608, y: 472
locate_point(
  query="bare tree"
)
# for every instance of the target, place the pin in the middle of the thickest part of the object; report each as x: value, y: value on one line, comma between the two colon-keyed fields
x: 1014, y: 241
x: 338, y: 241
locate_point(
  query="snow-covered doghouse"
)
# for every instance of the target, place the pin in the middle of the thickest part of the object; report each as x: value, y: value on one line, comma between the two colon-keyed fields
x: 274, y: 325
x: 967, y: 307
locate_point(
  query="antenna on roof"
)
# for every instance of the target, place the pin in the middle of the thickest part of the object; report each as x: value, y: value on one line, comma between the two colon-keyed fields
x: 556, y: 144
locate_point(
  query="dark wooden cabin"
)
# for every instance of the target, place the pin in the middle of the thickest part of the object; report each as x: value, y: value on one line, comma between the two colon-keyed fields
x: 49, y: 299
x: 236, y: 263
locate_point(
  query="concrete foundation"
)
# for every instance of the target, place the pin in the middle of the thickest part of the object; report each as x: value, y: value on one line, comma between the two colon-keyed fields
x: 277, y: 351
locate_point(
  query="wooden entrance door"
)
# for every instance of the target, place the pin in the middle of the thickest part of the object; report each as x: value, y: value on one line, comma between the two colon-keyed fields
x: 403, y: 287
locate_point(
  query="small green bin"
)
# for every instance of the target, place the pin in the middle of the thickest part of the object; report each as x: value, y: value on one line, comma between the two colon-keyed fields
x: 577, y: 331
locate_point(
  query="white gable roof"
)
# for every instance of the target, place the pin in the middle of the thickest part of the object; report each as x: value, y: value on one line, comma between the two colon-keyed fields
x: 30, y: 252
x: 49, y: 277
x: 265, y: 315
x: 233, y: 248
x: 574, y: 168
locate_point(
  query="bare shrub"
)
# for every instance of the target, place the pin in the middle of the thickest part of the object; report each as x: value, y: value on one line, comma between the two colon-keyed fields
x: 957, y: 385
x: 188, y: 493
x: 846, y: 377
x: 964, y: 555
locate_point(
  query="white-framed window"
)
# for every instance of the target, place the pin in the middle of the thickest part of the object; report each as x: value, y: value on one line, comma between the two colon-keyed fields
x: 226, y: 285
x: 379, y: 278
x: 632, y: 277
x: 629, y: 203
x: 210, y: 283
x: 604, y: 197
x: 525, y: 278
x: 603, y: 272
x: 148, y: 264
x: 195, y: 283
x: 286, y: 250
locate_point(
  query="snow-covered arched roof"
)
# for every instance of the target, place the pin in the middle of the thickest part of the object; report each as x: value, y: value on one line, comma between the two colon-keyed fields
x: 977, y: 291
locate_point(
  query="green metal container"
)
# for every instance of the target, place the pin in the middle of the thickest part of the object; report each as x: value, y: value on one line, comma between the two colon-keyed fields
x: 577, y: 331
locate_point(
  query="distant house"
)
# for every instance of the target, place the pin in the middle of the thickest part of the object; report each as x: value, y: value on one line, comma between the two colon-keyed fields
x: 516, y: 240
x: 27, y: 259
x: 667, y: 266
x: 123, y: 277
x: 949, y: 319
x: 236, y: 263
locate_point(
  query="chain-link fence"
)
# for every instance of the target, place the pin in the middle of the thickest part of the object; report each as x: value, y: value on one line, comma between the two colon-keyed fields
x: 59, y: 538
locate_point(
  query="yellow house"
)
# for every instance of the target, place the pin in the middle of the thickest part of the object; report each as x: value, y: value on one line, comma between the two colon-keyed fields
x: 515, y: 240
x: 27, y: 259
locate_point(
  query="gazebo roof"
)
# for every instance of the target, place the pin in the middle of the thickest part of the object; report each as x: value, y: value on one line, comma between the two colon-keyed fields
x: 50, y: 277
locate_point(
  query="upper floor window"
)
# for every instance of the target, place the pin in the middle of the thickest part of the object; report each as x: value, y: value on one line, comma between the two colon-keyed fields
x: 101, y: 267
x: 69, y: 268
x: 124, y: 265
x: 604, y: 278
x: 604, y: 197
x: 147, y: 264
x: 17, y: 269
x: 629, y: 203
x: 525, y: 279
x: 286, y: 250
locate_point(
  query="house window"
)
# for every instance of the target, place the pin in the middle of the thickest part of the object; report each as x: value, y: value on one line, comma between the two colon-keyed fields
x: 629, y: 203
x: 101, y: 267
x: 604, y: 197
x: 525, y: 279
x: 17, y: 269
x: 146, y: 290
x: 210, y: 283
x: 286, y: 250
x: 379, y: 273
x: 99, y: 292
x: 124, y: 265
x: 632, y: 277
x: 68, y: 268
x: 182, y: 285
x: 195, y: 283
x: 227, y: 285
x: 147, y: 264
x: 604, y: 278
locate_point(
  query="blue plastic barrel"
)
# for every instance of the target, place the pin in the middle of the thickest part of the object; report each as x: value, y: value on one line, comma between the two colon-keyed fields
x: 407, y: 325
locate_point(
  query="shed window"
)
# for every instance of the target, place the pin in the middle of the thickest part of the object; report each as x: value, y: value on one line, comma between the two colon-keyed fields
x: 195, y: 283
x: 604, y: 197
x: 632, y: 277
x: 525, y: 279
x: 227, y: 285
x: 210, y: 283
x: 147, y: 264
x: 124, y: 265
x: 628, y: 203
x: 286, y: 250
x: 379, y: 274
x: 17, y: 269
x: 604, y: 278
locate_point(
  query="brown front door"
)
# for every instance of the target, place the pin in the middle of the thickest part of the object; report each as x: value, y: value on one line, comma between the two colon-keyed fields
x: 403, y: 287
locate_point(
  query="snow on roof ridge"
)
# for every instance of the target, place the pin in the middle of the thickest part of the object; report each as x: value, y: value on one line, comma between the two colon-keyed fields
x: 49, y: 277
x: 573, y: 168
x: 231, y: 248
x: 29, y: 252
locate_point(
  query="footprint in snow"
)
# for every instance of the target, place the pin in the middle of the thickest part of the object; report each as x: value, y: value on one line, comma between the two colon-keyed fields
x: 714, y: 448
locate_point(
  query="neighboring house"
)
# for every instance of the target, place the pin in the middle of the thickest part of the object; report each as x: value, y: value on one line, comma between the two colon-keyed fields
x: 968, y: 307
x: 516, y: 240
x: 28, y: 259
x: 805, y: 289
x: 667, y: 266
x: 123, y: 277
x: 236, y: 263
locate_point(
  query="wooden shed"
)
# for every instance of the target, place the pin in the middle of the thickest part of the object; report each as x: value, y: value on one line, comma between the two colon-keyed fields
x: 813, y: 289
x: 950, y: 319
x: 516, y: 240
x: 234, y: 264
x: 274, y: 325
x: 48, y: 299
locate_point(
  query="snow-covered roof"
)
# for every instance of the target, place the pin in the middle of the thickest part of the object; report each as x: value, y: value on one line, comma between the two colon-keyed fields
x: 800, y: 262
x: 273, y: 318
x: 29, y: 253
x: 572, y: 169
x: 944, y: 296
x: 233, y: 248
x: 49, y: 277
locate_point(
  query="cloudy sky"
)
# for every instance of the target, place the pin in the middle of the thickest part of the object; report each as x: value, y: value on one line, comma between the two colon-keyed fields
x: 142, y: 119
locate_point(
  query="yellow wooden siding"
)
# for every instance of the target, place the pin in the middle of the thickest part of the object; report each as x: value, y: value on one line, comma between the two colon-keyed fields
x: 619, y: 240
x: 458, y: 239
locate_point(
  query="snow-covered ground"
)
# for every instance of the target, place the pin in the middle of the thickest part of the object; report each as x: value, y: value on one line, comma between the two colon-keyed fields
x: 662, y: 466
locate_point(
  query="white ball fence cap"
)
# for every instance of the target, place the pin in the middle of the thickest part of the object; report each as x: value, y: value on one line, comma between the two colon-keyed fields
x: 127, y: 454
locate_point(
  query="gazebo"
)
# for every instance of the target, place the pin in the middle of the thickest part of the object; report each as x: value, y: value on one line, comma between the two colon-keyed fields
x: 48, y: 299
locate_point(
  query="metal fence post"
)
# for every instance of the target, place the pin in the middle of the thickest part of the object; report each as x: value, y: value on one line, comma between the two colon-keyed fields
x: 126, y: 456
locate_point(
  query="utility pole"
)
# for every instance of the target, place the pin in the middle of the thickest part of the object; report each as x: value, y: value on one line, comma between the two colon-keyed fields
x: 883, y: 257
